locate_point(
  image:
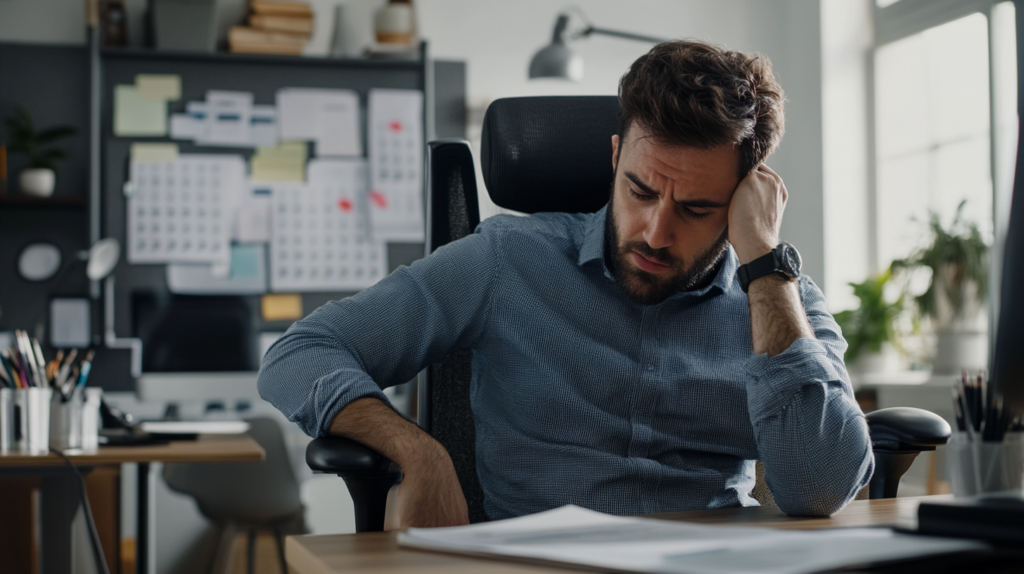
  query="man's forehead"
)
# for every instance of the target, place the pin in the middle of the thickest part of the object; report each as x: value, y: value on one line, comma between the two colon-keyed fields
x: 654, y: 160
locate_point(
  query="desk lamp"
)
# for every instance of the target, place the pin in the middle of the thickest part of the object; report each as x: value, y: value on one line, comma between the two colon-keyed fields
x: 556, y: 60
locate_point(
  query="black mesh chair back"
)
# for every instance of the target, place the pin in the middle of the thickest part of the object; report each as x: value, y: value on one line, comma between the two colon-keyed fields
x: 537, y: 154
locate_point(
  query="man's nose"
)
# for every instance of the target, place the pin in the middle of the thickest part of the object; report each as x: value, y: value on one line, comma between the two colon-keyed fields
x: 659, y: 232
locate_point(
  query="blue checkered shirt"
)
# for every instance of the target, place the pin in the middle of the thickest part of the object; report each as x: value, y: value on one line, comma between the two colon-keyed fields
x: 582, y: 396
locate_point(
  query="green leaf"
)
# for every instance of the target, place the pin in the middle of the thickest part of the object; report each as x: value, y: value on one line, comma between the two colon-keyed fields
x: 55, y: 133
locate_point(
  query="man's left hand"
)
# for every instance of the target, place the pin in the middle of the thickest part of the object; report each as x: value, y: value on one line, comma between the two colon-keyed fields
x: 755, y: 213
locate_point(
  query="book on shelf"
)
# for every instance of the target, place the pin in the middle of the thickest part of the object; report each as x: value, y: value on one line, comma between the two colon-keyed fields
x: 288, y: 24
x: 243, y: 40
x: 281, y: 8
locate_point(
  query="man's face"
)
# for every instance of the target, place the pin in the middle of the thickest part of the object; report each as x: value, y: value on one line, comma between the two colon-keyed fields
x: 668, y: 220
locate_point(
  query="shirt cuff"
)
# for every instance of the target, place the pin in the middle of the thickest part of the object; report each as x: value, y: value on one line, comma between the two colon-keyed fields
x: 774, y: 380
x: 334, y: 391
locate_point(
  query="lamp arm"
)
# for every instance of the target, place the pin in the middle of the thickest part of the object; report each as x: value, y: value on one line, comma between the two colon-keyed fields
x: 627, y: 35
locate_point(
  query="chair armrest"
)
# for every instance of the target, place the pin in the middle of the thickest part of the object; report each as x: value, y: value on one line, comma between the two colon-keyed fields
x: 342, y: 456
x: 906, y: 429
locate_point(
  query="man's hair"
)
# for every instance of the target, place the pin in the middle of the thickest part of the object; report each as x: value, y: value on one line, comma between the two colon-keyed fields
x: 696, y: 95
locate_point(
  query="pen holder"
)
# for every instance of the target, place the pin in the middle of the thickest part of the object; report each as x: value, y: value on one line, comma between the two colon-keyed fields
x: 91, y: 419
x: 32, y: 420
x: 7, y: 442
x: 976, y: 467
x: 66, y: 421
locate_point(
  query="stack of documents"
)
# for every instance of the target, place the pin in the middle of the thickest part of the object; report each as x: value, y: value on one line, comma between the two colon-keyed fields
x: 573, y: 535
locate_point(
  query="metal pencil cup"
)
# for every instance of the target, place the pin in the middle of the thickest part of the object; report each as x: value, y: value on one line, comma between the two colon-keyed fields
x: 32, y: 420
x: 7, y: 441
x: 976, y: 467
x: 66, y: 421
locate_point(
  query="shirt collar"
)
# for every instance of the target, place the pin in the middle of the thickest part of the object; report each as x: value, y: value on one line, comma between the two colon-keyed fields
x: 592, y: 248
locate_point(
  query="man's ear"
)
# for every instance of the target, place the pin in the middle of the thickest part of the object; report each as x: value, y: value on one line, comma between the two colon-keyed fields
x: 615, y: 151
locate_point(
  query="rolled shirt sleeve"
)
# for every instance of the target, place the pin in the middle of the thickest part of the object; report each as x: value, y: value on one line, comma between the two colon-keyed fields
x: 383, y: 336
x: 811, y: 434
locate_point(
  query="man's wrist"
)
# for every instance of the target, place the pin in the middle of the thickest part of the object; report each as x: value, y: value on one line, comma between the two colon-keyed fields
x: 749, y: 252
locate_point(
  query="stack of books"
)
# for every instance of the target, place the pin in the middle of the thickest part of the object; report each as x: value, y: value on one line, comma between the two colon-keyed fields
x: 275, y: 27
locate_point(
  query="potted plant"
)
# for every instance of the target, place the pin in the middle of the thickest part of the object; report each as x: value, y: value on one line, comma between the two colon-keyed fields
x: 41, y: 174
x: 954, y: 301
x: 870, y: 329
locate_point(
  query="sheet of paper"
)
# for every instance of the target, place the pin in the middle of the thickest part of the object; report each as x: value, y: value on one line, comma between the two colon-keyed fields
x: 183, y: 127
x: 183, y: 211
x: 159, y: 86
x: 281, y: 307
x: 228, y: 117
x: 136, y: 116
x: 320, y: 238
x: 573, y: 535
x: 328, y: 117
x: 396, y: 164
x: 263, y: 126
x: 154, y: 152
x: 253, y: 224
x: 247, y: 274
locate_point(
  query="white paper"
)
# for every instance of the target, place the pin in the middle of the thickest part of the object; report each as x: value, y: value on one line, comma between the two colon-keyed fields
x: 320, y: 236
x: 396, y: 164
x: 248, y: 277
x: 194, y: 427
x: 263, y: 126
x: 574, y: 535
x: 253, y: 225
x: 199, y: 112
x: 228, y: 116
x: 184, y: 127
x: 183, y: 211
x: 328, y: 117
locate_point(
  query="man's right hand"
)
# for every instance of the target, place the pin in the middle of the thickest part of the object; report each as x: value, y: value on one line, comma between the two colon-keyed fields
x: 430, y: 493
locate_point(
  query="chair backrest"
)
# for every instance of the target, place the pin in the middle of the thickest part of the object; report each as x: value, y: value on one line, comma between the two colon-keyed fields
x: 250, y: 493
x: 537, y: 154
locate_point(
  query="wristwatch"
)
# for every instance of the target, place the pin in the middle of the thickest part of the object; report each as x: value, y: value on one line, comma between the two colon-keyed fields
x: 784, y: 260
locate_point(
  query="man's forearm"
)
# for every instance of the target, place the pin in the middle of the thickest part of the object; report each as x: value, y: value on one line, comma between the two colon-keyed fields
x: 777, y: 316
x: 370, y: 422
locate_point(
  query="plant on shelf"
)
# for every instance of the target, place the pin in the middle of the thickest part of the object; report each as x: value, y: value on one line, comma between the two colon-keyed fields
x: 954, y: 300
x: 41, y: 174
x: 870, y: 329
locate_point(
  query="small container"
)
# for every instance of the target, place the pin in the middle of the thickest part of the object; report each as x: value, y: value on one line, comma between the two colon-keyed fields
x: 66, y: 421
x: 32, y: 420
x: 976, y: 467
x: 7, y: 441
x: 91, y: 419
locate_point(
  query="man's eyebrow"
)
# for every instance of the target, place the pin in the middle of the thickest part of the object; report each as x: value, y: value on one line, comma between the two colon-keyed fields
x: 701, y: 203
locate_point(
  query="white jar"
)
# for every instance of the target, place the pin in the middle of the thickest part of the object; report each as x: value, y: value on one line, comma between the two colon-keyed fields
x: 394, y: 23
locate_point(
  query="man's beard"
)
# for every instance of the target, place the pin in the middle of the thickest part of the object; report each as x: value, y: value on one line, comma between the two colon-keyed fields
x: 650, y: 289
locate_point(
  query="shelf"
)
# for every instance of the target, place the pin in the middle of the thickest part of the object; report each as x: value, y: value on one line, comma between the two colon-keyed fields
x: 229, y: 58
x: 53, y: 202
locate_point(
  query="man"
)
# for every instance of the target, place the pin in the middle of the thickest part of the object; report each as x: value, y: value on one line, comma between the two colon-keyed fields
x: 635, y: 360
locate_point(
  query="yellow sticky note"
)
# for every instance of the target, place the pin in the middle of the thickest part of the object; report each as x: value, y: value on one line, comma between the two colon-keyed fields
x: 138, y: 116
x: 154, y: 152
x: 274, y: 168
x: 159, y: 86
x: 281, y: 307
x: 293, y: 149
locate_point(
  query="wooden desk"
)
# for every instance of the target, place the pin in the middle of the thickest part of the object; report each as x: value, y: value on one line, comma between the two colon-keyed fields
x: 379, y: 552
x: 59, y: 498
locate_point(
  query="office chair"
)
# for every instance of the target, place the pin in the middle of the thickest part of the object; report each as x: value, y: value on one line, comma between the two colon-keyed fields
x: 246, y: 497
x: 540, y: 154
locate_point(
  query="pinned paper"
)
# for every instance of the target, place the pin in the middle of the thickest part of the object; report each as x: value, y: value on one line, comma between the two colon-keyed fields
x: 263, y: 126
x: 137, y: 116
x: 285, y: 162
x: 281, y: 307
x: 328, y: 117
x: 228, y: 117
x: 154, y: 152
x: 159, y: 86
x: 248, y: 274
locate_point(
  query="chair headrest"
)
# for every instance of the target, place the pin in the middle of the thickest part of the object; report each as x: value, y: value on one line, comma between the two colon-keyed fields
x: 551, y: 153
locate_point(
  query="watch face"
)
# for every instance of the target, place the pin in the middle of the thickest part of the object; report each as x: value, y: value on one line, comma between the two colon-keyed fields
x: 789, y: 259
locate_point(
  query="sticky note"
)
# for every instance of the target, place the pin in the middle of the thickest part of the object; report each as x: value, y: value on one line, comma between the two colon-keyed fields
x: 154, y: 152
x: 245, y: 261
x: 138, y: 116
x: 281, y: 307
x: 159, y: 86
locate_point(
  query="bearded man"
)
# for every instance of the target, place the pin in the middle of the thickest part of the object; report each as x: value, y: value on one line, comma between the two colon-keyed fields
x: 635, y: 360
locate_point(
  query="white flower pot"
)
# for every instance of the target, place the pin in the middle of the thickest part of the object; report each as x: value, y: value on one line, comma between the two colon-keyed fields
x: 957, y: 350
x: 38, y: 182
x: 887, y: 360
x: 394, y: 24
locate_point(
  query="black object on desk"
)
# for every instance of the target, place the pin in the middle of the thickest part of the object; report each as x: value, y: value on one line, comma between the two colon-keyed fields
x: 995, y: 517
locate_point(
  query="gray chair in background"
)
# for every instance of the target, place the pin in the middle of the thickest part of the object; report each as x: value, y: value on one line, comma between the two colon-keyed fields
x: 248, y: 497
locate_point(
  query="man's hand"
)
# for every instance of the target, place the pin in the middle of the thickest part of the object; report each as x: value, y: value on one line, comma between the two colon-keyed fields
x: 430, y: 494
x: 755, y: 213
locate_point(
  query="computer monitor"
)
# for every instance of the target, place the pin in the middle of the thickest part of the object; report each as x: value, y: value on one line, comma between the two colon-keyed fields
x: 1008, y: 362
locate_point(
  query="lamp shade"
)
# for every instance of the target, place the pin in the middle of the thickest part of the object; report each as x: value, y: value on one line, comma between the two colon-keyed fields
x: 556, y: 60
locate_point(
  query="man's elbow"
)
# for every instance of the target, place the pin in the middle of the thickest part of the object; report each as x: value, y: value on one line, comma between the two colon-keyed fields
x: 824, y: 500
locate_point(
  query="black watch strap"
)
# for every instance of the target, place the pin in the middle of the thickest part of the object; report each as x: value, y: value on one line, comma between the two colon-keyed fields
x: 775, y: 261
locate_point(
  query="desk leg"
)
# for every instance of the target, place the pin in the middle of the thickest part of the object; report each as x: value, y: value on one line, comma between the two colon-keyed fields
x: 58, y: 505
x: 142, y: 521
